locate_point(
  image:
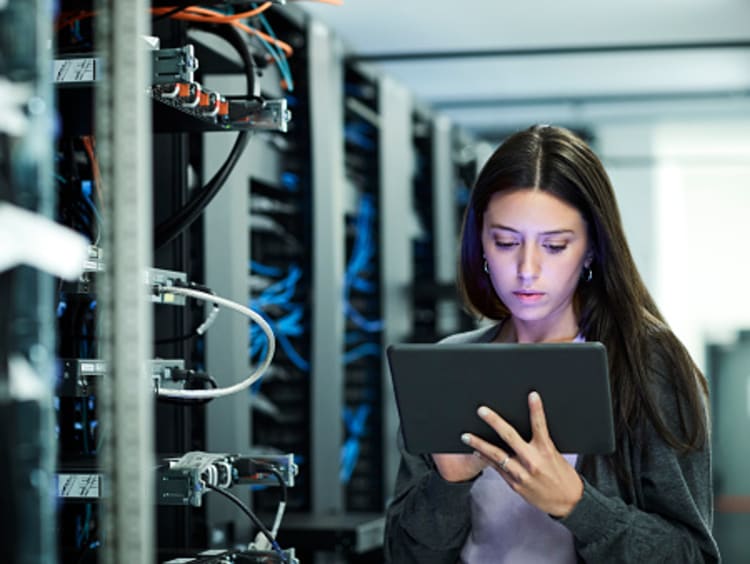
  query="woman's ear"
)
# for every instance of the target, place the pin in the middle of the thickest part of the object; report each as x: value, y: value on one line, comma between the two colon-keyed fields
x: 588, y: 259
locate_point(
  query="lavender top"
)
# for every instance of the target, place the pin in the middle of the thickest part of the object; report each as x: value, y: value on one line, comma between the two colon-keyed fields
x: 505, y: 528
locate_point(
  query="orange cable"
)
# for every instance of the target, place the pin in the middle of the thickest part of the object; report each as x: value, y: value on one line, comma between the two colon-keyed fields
x: 218, y: 16
x: 198, y: 14
x: 71, y: 18
x: 88, y: 144
x: 288, y: 51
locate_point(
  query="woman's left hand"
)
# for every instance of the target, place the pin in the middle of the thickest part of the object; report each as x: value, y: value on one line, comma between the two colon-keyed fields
x: 537, y: 471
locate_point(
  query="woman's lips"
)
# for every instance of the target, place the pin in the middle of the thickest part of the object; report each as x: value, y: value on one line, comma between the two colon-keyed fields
x: 528, y: 297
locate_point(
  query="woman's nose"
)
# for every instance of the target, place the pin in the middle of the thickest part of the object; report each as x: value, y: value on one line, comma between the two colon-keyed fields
x: 528, y: 263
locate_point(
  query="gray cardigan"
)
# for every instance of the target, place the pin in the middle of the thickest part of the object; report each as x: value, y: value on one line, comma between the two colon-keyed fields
x: 665, y: 515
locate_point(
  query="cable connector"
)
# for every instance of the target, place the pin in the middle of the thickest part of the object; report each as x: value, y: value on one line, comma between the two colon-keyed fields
x: 272, y: 114
x: 184, y: 480
x: 160, y: 281
x: 173, y: 65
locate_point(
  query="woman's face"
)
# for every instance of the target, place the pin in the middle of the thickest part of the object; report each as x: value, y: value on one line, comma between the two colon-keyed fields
x: 536, y: 246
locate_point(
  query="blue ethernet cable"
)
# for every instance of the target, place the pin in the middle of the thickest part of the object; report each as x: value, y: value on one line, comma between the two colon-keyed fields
x: 290, y: 181
x: 355, y: 422
x: 359, y: 133
x: 264, y: 269
x: 361, y: 351
x: 86, y: 188
x: 362, y: 254
x: 279, y: 294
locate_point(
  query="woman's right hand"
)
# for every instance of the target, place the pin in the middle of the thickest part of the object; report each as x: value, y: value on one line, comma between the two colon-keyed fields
x: 459, y: 467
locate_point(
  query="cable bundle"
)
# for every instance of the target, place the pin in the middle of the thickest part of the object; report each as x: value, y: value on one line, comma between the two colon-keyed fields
x: 278, y: 297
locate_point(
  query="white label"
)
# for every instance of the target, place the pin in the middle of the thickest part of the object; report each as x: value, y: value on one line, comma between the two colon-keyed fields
x: 76, y: 70
x: 79, y: 485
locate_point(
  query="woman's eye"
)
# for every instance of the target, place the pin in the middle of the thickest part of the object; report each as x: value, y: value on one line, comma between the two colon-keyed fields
x: 555, y: 247
x: 505, y: 244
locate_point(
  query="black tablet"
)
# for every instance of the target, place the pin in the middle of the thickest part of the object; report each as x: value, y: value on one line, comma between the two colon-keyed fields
x: 438, y: 388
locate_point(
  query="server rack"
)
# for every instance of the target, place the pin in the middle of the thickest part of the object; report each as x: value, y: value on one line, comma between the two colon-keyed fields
x: 26, y: 314
x: 182, y: 158
x: 461, y: 175
x: 425, y: 292
x: 363, y: 292
x: 105, y: 316
x: 446, y: 166
x: 362, y: 174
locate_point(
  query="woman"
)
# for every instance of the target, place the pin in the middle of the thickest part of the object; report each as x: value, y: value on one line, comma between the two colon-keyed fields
x: 543, y: 252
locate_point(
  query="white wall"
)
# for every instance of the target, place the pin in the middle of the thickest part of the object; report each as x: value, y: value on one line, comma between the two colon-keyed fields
x: 684, y: 194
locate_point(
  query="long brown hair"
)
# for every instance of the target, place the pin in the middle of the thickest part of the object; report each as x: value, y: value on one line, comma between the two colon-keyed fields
x: 614, y: 307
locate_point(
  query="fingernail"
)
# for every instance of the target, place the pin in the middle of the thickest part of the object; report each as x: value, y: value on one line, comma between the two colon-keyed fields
x: 534, y: 396
x: 483, y: 411
x: 465, y: 438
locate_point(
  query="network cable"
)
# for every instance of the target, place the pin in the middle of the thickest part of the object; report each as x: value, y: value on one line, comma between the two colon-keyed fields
x: 358, y: 133
x: 190, y: 376
x: 279, y: 295
x: 258, y: 543
x: 257, y: 522
x: 201, y: 328
x: 254, y: 316
x: 354, y: 421
x: 276, y: 53
x: 359, y: 262
x: 362, y: 350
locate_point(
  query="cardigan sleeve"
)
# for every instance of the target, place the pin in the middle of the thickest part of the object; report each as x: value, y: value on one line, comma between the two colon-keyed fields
x: 673, y: 517
x: 429, y: 518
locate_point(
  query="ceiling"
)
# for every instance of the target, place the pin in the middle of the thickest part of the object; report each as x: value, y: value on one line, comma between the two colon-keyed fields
x: 492, y: 64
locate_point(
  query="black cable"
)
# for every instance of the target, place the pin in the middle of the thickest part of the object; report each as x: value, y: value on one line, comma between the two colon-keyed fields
x: 178, y: 339
x: 279, y: 477
x: 246, y: 510
x: 192, y: 402
x: 202, y: 377
x: 173, y: 226
x: 191, y: 376
x: 183, y: 218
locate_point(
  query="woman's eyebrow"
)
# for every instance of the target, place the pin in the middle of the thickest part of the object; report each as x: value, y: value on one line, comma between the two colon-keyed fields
x: 548, y: 232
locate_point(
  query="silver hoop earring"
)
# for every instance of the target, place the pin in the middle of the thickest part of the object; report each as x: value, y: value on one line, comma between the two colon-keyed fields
x: 587, y: 274
x: 486, y: 267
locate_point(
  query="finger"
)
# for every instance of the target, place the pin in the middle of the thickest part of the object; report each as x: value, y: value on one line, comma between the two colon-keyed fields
x: 539, y: 427
x: 484, y: 449
x: 504, y: 430
x: 509, y: 467
x: 488, y: 453
x: 505, y: 465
